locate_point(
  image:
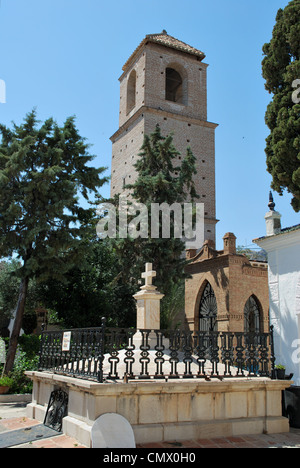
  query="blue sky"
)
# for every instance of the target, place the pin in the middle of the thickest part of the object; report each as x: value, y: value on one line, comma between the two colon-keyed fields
x: 64, y: 57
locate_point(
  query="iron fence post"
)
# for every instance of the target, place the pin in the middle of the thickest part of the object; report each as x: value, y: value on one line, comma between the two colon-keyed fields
x: 101, y: 350
x: 273, y: 359
x: 41, y: 346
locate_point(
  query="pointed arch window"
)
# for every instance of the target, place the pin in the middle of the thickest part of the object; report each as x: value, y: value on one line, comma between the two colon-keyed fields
x: 131, y: 91
x: 252, y: 316
x: 298, y: 297
x: 208, y: 310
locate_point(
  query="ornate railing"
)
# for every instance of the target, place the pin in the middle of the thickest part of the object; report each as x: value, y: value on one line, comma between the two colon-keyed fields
x: 76, y: 352
x: 104, y: 354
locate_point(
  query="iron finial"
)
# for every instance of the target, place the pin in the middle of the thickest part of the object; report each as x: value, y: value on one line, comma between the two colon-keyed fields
x: 271, y: 203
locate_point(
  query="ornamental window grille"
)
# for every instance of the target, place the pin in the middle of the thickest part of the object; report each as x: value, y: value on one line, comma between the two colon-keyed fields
x: 208, y: 310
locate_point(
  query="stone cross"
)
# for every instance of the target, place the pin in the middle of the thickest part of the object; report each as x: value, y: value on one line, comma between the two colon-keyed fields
x: 148, y: 275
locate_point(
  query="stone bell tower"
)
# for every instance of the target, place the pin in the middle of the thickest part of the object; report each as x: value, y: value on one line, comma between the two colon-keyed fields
x: 164, y: 82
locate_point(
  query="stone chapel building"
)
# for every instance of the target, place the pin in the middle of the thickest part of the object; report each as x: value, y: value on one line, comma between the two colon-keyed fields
x: 164, y: 82
x: 226, y: 291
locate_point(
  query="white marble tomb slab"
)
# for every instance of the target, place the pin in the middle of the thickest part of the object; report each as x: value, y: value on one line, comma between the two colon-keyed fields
x: 111, y: 430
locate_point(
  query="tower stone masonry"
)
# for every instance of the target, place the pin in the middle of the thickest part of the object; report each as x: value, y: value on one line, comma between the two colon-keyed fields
x: 164, y: 82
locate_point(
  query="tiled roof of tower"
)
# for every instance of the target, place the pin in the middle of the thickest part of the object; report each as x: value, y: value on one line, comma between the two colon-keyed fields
x: 168, y: 41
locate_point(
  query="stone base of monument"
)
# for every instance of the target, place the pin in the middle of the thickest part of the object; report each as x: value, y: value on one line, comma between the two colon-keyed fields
x: 175, y: 410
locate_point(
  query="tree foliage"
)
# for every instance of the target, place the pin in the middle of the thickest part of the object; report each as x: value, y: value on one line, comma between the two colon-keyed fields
x: 43, y: 171
x: 9, y: 291
x: 92, y: 289
x: 159, y: 180
x: 9, y: 287
x: 281, y: 67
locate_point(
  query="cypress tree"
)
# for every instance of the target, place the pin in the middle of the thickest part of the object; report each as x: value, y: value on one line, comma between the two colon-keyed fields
x: 160, y: 179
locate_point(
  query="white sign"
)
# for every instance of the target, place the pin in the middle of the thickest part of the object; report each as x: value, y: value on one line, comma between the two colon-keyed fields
x: 66, y: 341
x: 2, y: 352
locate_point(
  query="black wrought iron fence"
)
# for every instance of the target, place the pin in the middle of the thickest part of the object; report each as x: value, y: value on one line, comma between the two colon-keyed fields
x: 76, y: 352
x: 104, y: 354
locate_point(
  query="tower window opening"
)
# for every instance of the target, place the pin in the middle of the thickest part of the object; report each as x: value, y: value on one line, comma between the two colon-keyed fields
x: 174, y: 91
x: 131, y: 91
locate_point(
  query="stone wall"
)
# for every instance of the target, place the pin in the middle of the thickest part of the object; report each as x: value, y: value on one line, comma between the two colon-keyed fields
x: 164, y: 411
x: 233, y: 278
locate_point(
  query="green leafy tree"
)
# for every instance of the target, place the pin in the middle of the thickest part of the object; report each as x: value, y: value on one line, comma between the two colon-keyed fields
x: 173, y: 307
x: 159, y: 180
x: 92, y: 290
x: 43, y: 171
x: 9, y: 291
x: 281, y: 69
x: 259, y: 255
x: 9, y: 286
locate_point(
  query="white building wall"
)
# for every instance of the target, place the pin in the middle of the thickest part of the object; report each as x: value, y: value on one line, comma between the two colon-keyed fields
x: 284, y: 290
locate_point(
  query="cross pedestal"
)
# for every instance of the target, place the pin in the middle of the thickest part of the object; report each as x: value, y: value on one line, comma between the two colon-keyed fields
x: 148, y: 308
